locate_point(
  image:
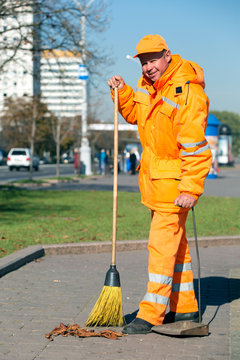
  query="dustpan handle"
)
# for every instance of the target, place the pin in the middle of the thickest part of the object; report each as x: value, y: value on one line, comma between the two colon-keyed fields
x: 199, y: 266
x: 115, y: 177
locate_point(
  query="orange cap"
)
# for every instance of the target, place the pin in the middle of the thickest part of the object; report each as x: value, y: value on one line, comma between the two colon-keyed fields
x: 151, y: 43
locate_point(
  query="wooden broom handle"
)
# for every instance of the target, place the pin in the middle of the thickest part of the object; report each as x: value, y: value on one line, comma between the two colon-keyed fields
x: 115, y: 177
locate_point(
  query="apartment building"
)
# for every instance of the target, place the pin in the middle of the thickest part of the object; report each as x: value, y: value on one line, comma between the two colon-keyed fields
x: 58, y: 82
x: 61, y: 87
x: 16, y: 80
x: 53, y: 74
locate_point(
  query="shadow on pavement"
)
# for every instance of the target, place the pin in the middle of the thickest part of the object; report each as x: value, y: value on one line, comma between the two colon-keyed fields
x: 216, y: 291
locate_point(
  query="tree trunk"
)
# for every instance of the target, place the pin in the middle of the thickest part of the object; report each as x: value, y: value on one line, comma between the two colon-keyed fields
x: 32, y: 140
x: 58, y: 147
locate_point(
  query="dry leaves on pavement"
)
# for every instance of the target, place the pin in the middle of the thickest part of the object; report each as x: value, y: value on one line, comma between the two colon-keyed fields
x: 76, y: 330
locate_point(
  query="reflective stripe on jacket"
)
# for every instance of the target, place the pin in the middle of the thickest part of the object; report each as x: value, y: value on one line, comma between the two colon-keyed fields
x: 171, y: 115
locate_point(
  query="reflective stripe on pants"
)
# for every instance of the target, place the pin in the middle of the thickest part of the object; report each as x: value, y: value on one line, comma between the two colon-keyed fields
x: 169, y: 267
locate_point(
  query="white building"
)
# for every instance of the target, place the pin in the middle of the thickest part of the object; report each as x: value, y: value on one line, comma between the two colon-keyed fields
x: 58, y: 81
x: 17, y: 78
x: 54, y: 74
x: 61, y: 88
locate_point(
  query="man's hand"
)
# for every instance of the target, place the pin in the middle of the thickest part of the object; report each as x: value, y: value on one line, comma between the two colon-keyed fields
x: 185, y: 201
x: 116, y: 81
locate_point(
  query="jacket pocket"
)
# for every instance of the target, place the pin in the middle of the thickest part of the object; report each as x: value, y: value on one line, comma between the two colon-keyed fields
x: 164, y: 168
x: 165, y: 190
x: 142, y: 98
x: 142, y: 102
x: 166, y: 109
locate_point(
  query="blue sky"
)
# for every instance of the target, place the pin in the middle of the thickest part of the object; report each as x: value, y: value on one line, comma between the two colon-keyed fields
x: 206, y: 32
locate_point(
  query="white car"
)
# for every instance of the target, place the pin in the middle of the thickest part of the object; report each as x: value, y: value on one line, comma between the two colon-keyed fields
x: 20, y: 158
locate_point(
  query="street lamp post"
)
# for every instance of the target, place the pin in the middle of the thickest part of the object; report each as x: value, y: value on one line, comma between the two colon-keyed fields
x: 85, y: 150
x: 129, y: 57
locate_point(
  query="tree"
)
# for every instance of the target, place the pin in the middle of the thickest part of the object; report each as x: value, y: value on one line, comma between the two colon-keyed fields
x: 17, y: 126
x: 34, y: 26
x: 233, y: 120
x: 37, y: 25
x: 64, y: 131
x: 17, y: 123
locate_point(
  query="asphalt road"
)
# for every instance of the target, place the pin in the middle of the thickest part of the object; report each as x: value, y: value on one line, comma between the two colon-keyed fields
x: 44, y: 171
x: 227, y: 184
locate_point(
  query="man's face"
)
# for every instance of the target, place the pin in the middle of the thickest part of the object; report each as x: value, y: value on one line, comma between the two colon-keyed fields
x: 155, y: 64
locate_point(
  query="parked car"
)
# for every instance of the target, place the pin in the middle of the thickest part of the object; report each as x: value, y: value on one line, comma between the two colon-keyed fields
x: 20, y: 158
x: 44, y: 160
x: 3, y: 157
x: 68, y: 160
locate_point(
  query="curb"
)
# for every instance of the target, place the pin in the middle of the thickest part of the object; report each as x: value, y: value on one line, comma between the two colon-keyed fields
x: 18, y: 259
x: 129, y: 245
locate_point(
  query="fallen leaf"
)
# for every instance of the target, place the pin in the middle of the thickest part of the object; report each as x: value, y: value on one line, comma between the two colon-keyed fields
x: 77, y: 330
x: 57, y: 331
x: 38, y: 260
x: 3, y: 251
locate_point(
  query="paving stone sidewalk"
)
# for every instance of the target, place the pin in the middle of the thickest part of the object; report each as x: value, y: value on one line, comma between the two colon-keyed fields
x: 63, y: 288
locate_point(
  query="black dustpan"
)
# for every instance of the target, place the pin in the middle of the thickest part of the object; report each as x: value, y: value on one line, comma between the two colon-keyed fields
x: 187, y: 328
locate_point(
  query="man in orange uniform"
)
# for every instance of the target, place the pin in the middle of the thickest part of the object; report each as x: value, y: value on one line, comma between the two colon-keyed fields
x: 171, y: 111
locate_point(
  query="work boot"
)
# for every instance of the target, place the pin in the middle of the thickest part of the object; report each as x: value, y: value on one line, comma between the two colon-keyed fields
x: 138, y: 326
x: 128, y: 318
x: 171, y: 317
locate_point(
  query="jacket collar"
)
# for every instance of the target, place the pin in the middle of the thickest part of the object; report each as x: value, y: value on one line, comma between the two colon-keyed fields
x: 174, y: 65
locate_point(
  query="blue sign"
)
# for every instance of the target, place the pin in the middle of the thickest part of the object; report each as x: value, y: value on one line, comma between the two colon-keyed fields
x: 82, y: 72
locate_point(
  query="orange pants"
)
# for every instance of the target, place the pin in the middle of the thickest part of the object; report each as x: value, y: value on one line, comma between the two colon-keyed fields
x: 169, y: 268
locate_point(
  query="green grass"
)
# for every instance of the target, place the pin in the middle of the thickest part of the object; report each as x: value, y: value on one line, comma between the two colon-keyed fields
x: 28, y: 181
x: 47, y: 217
x: 47, y: 180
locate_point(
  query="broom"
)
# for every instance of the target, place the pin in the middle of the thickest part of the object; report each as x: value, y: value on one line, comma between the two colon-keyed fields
x: 108, y: 309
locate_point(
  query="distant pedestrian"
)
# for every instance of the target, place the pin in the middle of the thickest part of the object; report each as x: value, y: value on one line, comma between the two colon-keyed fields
x: 76, y: 163
x: 103, y: 160
x: 133, y: 161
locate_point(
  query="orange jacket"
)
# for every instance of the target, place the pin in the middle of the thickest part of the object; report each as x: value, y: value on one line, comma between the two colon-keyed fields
x: 171, y: 115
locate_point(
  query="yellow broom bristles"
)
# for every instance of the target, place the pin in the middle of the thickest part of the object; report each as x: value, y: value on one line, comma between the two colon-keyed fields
x: 108, y: 309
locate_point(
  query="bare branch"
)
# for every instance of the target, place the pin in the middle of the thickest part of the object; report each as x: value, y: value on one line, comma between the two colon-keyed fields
x: 58, y: 27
